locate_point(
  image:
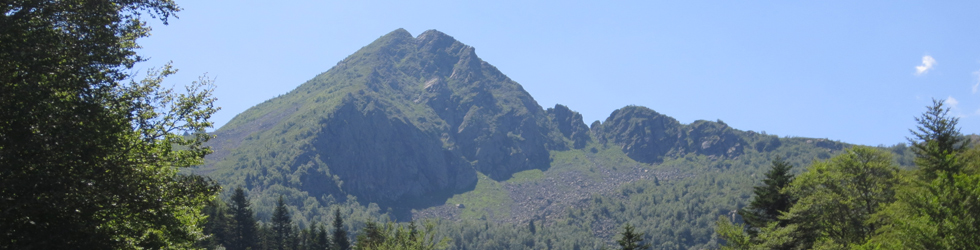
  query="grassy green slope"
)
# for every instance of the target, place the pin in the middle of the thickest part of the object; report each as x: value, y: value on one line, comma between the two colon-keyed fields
x: 676, y: 210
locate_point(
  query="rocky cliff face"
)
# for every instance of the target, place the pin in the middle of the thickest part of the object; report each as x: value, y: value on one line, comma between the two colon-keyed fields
x: 648, y: 136
x: 383, y: 159
x: 570, y: 125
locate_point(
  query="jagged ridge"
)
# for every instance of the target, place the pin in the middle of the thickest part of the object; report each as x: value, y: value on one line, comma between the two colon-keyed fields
x: 409, y: 121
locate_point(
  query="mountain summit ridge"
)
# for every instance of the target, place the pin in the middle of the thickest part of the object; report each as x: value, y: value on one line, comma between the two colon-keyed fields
x: 409, y: 121
x: 400, y: 120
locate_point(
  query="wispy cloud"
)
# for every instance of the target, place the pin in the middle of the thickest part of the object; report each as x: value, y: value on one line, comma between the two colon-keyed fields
x: 927, y: 63
x: 953, y: 103
x: 976, y: 85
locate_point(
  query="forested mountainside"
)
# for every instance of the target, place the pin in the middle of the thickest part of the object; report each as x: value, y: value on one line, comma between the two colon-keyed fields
x: 421, y: 128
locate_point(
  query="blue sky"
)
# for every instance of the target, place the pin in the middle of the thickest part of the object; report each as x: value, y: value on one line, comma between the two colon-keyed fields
x: 854, y: 71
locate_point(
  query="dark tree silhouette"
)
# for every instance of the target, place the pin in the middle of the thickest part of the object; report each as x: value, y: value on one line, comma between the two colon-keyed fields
x: 244, y: 233
x: 631, y: 240
x: 282, y: 226
x: 769, y: 202
x: 340, y: 240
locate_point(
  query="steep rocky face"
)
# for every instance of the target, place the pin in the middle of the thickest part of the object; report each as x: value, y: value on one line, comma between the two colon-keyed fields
x: 648, y: 136
x: 712, y: 138
x: 492, y: 121
x: 570, y: 125
x: 382, y: 159
x: 643, y: 134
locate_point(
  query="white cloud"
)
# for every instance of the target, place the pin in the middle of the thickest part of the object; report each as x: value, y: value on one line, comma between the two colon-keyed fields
x: 952, y: 102
x: 977, y: 85
x: 927, y: 63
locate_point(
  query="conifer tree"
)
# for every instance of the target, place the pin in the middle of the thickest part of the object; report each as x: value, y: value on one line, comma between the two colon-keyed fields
x: 244, y: 233
x: 282, y: 226
x: 941, y: 209
x: 937, y: 141
x: 769, y: 201
x: 413, y: 231
x: 371, y: 236
x: 217, y: 225
x: 340, y: 241
x: 631, y: 240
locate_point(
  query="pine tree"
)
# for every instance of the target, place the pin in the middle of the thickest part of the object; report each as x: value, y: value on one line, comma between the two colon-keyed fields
x: 371, y: 236
x: 322, y: 239
x: 937, y: 142
x: 769, y: 201
x: 413, y: 231
x: 282, y: 226
x: 340, y: 241
x: 940, y: 210
x: 216, y: 227
x: 530, y: 227
x: 244, y: 233
x: 631, y: 240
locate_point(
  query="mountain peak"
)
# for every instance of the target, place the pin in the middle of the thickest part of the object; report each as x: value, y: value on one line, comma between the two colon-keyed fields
x: 436, y: 112
x: 400, y: 32
x: 433, y: 34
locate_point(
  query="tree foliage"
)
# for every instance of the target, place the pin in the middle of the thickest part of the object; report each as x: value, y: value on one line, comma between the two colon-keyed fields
x: 282, y: 227
x: 244, y: 232
x: 340, y: 240
x: 941, y: 208
x: 631, y: 240
x: 937, y: 142
x: 838, y: 197
x: 770, y: 200
x: 860, y: 200
x: 89, y: 156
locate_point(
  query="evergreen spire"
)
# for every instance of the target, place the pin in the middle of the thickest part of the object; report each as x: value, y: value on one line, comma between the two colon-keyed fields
x: 340, y: 240
x: 769, y: 202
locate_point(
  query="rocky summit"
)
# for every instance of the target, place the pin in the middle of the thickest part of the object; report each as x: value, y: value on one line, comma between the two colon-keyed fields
x: 409, y: 121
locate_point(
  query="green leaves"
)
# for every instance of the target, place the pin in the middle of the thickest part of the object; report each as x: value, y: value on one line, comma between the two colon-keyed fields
x: 87, y: 160
x: 838, y: 197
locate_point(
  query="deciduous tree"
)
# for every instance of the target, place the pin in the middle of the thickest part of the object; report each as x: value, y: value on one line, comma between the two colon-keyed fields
x: 89, y: 156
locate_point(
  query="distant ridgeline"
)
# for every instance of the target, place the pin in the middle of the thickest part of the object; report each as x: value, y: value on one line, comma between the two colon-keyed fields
x: 410, y: 122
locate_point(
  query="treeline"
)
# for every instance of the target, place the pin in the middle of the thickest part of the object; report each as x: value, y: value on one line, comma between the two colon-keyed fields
x: 862, y: 200
x: 232, y: 225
